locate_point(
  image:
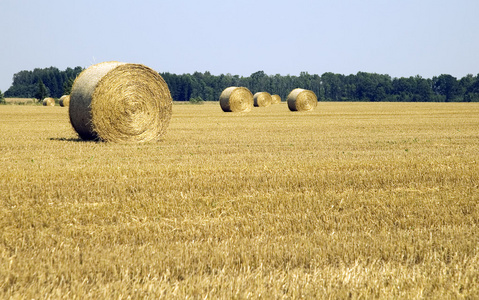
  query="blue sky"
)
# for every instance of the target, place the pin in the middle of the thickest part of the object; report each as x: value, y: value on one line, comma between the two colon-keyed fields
x: 395, y: 37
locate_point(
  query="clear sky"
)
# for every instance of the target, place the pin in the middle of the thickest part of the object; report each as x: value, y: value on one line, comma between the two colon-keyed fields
x: 401, y: 38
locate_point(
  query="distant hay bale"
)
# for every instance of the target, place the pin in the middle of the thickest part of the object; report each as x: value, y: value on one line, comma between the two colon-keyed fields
x: 120, y: 102
x: 236, y: 99
x: 48, y: 102
x: 64, y: 101
x: 275, y: 99
x: 302, y: 100
x: 262, y: 99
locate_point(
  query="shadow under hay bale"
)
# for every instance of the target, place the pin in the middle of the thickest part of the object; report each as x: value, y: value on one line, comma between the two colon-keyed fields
x: 236, y: 99
x: 302, y: 100
x: 120, y: 102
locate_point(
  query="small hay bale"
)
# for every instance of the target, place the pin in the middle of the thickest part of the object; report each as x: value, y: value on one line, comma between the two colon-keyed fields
x: 275, y: 99
x: 120, y: 102
x: 64, y: 101
x: 262, y: 99
x: 48, y: 102
x: 236, y: 99
x: 302, y: 100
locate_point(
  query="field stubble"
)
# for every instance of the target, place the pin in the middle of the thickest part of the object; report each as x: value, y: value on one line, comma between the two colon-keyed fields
x: 361, y: 200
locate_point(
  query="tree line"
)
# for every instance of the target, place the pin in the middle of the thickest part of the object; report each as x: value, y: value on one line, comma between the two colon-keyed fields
x: 330, y: 87
x: 362, y: 86
x: 41, y: 83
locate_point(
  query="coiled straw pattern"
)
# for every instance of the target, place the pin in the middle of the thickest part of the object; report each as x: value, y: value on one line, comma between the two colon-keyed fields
x: 120, y: 102
x: 275, y: 99
x: 262, y: 99
x: 236, y: 99
x: 64, y: 101
x: 302, y: 100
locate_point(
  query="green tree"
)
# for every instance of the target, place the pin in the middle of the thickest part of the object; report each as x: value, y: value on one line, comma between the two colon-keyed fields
x: 42, y: 91
x: 333, y: 86
x: 366, y: 87
x: 2, y: 98
x: 423, y: 91
x: 25, y: 83
x: 67, y: 86
x: 446, y: 85
x: 403, y: 88
x: 259, y: 82
x: 472, y: 92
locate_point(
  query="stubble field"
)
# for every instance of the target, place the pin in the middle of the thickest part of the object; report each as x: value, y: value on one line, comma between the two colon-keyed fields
x: 360, y: 200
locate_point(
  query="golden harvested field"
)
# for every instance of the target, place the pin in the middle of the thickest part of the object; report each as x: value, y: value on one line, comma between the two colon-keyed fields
x: 360, y: 200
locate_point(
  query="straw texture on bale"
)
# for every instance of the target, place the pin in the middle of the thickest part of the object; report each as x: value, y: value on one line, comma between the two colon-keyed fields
x: 64, y: 101
x: 236, y: 99
x: 262, y: 99
x: 48, y: 102
x: 120, y: 102
x: 302, y: 100
x: 275, y: 99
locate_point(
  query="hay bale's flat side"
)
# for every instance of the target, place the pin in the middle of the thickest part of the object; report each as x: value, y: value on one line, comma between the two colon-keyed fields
x: 81, y: 98
x: 236, y: 99
x: 48, y: 102
x: 302, y: 100
x: 64, y: 101
x: 262, y: 99
x: 120, y: 102
x: 275, y: 99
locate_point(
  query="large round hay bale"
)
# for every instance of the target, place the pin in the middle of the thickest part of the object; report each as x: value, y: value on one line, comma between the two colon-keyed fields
x: 262, y: 99
x: 302, y: 100
x: 120, y: 102
x: 64, y: 101
x: 236, y: 99
x: 48, y: 102
x: 275, y: 99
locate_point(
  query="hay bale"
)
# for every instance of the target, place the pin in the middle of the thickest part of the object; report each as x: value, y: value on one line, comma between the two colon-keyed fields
x: 120, y: 102
x: 262, y: 99
x: 48, y: 102
x: 302, y: 100
x: 64, y: 101
x: 275, y: 99
x: 236, y: 99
